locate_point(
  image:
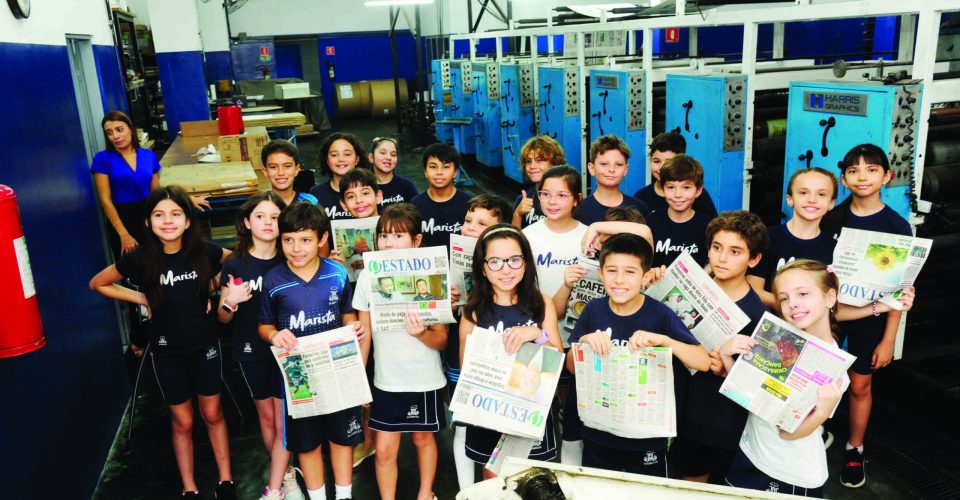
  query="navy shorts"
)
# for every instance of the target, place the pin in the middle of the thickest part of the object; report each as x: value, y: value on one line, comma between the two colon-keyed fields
x: 481, y: 443
x: 303, y: 435
x: 571, y: 415
x: 862, y: 346
x: 406, y: 411
x: 263, y: 378
x: 182, y: 376
x: 694, y: 458
x: 743, y: 474
x: 650, y: 463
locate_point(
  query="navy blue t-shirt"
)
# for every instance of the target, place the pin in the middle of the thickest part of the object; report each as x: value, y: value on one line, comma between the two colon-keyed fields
x: 784, y: 248
x: 398, y: 190
x: 710, y: 417
x: 329, y: 200
x: 441, y: 219
x: 655, y: 202
x: 590, y: 210
x: 672, y: 238
x: 535, y: 214
x: 247, y: 344
x: 653, y: 317
x: 304, y: 307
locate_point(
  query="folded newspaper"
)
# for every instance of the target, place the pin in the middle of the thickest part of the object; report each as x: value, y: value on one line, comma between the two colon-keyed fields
x: 353, y: 237
x: 589, y: 287
x: 461, y: 264
x: 877, y: 266
x: 626, y: 394
x: 504, y: 392
x: 778, y: 379
x: 413, y: 279
x: 324, y: 374
x: 711, y: 316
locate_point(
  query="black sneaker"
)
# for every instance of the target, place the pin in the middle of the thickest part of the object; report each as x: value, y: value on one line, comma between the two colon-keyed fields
x: 226, y: 491
x: 852, y: 474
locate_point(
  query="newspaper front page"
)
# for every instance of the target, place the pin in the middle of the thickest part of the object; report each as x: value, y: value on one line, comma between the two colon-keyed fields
x: 710, y: 315
x: 324, y: 374
x: 877, y: 266
x: 353, y: 237
x: 778, y: 380
x: 412, y: 279
x: 589, y: 287
x: 630, y: 395
x: 461, y: 262
x: 503, y: 392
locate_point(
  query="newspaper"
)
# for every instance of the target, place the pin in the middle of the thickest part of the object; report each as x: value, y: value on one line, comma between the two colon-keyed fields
x: 877, y: 266
x: 461, y: 262
x: 509, y: 446
x: 324, y: 374
x: 627, y: 394
x: 711, y: 316
x: 353, y: 237
x: 411, y: 279
x: 778, y: 380
x: 589, y: 287
x: 503, y: 392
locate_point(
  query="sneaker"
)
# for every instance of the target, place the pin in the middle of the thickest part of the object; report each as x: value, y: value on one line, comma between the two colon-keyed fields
x: 226, y: 490
x: 827, y: 439
x: 291, y: 489
x: 190, y: 494
x: 361, y: 453
x: 852, y: 474
x: 271, y: 495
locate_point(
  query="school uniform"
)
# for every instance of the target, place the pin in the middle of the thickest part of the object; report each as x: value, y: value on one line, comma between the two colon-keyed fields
x: 553, y: 252
x: 481, y: 442
x: 784, y: 248
x: 184, y: 348
x: 602, y: 449
x: 257, y: 366
x: 590, y: 210
x: 709, y: 431
x: 308, y: 308
x: 703, y: 203
x: 535, y: 214
x: 129, y: 189
x: 671, y: 238
x: 408, y: 376
x: 398, y: 190
x: 441, y: 219
x: 329, y: 201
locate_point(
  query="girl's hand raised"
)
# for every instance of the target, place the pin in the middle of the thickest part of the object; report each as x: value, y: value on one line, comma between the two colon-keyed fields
x: 237, y: 291
x: 652, y: 276
x: 517, y: 335
x: 573, y: 274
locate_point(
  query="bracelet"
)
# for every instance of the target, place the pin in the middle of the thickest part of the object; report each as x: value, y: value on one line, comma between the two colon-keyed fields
x: 873, y: 307
x: 543, y: 337
x: 117, y: 223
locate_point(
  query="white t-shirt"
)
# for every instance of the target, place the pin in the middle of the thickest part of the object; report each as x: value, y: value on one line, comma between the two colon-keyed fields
x: 401, y: 362
x: 553, y: 252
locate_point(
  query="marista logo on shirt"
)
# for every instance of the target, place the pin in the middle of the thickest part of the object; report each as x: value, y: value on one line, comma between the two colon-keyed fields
x: 170, y: 279
x: 334, y: 212
x: 665, y: 247
x: 397, y: 265
x: 431, y: 226
x: 257, y: 284
x: 393, y: 199
x: 301, y: 321
x: 548, y: 260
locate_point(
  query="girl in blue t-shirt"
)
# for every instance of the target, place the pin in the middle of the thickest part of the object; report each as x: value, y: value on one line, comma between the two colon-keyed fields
x: 505, y: 297
x: 383, y: 158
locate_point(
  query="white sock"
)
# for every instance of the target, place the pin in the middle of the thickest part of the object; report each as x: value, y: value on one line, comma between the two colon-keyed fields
x: 465, y: 466
x: 318, y: 494
x: 850, y: 447
x: 344, y: 491
x: 571, y: 452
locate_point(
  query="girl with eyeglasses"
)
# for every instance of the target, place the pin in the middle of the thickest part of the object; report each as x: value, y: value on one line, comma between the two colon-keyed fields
x: 505, y: 298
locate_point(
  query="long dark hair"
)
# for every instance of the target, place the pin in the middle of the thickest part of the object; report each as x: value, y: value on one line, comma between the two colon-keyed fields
x: 244, y: 235
x: 480, y: 300
x: 192, y: 246
x: 328, y: 143
x: 869, y: 153
x: 119, y: 116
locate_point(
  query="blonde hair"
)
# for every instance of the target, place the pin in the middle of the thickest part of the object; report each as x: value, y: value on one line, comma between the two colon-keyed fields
x: 545, y: 146
x: 824, y: 278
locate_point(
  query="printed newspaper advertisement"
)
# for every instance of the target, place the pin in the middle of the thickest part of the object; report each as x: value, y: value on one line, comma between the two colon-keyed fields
x: 503, y: 392
x: 877, y: 266
x: 413, y: 279
x: 778, y: 380
x: 626, y: 394
x: 324, y: 374
x: 353, y: 237
x: 710, y: 315
x: 588, y: 288
x: 461, y: 262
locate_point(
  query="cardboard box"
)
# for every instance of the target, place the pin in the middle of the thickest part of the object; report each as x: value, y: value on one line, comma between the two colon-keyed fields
x: 244, y: 147
x: 202, y: 127
x: 292, y: 90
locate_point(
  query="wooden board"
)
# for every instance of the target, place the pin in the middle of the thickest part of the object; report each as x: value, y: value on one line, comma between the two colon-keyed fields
x: 275, y: 120
x: 261, y: 109
x: 216, y: 179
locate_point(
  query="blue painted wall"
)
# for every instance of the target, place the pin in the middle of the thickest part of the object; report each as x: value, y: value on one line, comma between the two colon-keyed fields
x: 63, y: 403
x: 184, y: 88
x: 289, y: 64
x: 111, y: 80
x: 218, y: 66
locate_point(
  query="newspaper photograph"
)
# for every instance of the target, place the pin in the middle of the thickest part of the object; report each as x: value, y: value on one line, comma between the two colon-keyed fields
x: 589, y: 287
x: 353, y: 237
x: 461, y: 262
x: 503, y: 392
x: 778, y: 380
x: 875, y: 266
x: 692, y: 294
x: 411, y: 279
x: 630, y: 395
x: 324, y: 374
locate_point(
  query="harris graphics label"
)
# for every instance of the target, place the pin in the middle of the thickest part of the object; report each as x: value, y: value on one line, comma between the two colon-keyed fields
x: 843, y: 103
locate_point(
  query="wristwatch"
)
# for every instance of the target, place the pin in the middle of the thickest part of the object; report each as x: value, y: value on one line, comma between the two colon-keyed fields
x: 226, y: 307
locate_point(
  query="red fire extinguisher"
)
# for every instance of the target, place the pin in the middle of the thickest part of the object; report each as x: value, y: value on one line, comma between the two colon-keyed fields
x: 18, y: 298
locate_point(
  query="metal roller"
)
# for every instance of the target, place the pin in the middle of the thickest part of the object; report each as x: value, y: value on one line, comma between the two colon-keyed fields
x: 943, y: 151
x: 941, y: 183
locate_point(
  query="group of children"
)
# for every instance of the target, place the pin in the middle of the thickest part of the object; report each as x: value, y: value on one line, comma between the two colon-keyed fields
x: 283, y: 282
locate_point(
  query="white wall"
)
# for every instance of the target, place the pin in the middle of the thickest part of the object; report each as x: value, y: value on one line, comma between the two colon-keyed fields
x: 213, y: 26
x: 175, y: 25
x: 49, y: 22
x: 139, y: 8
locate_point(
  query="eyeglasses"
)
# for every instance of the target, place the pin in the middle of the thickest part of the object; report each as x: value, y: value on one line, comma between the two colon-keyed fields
x: 562, y: 196
x: 496, y: 263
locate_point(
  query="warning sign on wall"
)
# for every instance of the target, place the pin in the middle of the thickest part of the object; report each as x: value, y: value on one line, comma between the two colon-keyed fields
x: 331, y: 51
x: 672, y: 35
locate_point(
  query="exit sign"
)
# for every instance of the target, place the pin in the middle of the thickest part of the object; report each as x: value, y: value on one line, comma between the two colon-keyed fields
x: 331, y: 51
x: 672, y: 35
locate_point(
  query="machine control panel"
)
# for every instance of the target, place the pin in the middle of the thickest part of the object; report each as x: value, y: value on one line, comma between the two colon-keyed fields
x: 445, y: 74
x: 734, y: 122
x: 527, y: 95
x: 493, y: 81
x: 636, y: 100
x: 906, y: 112
x: 466, y: 76
x: 571, y: 92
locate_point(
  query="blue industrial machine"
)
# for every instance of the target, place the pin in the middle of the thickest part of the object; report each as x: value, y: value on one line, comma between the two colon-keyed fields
x: 486, y: 94
x: 617, y: 106
x: 559, y: 95
x: 709, y: 111
x: 442, y: 99
x: 518, y: 100
x: 461, y: 110
x: 825, y: 120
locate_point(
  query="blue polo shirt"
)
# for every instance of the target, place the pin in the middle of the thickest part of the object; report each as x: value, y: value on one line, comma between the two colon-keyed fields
x: 127, y: 185
x: 305, y: 307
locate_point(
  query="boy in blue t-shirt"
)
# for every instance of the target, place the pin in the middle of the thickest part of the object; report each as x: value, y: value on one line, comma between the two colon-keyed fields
x: 442, y: 206
x: 308, y: 295
x: 281, y: 164
x: 664, y: 147
x: 627, y: 317
x: 608, y: 166
x: 679, y: 227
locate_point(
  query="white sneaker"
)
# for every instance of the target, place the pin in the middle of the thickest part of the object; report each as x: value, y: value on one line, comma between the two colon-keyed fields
x: 290, y: 489
x: 271, y: 495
